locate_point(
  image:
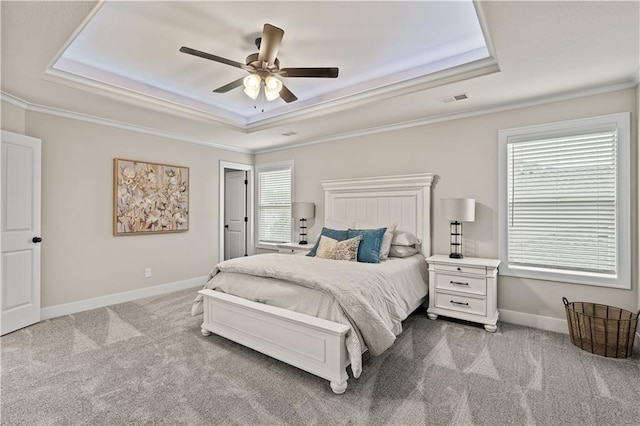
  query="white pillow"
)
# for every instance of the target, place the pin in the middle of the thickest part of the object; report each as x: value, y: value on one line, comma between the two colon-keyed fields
x: 337, y: 224
x: 402, y: 251
x: 386, y: 238
x: 402, y: 238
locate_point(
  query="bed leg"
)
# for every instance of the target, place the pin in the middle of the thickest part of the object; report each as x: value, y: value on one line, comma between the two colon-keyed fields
x: 339, y: 387
x: 205, y: 332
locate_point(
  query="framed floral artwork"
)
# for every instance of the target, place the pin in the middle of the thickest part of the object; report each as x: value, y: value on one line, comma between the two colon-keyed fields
x: 149, y: 198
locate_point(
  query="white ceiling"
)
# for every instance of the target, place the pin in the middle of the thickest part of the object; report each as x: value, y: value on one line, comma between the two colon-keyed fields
x: 396, y: 60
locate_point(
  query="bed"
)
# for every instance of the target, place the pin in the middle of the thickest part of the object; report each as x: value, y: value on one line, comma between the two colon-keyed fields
x: 275, y: 325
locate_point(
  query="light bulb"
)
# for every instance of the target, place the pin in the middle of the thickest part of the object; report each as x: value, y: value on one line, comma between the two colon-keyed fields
x: 272, y: 88
x: 252, y: 85
x: 273, y: 84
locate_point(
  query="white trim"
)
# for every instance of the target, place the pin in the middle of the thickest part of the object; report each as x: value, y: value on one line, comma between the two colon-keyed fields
x: 112, y: 123
x: 621, y: 122
x: 557, y: 325
x: 112, y: 299
x: 250, y: 210
x: 13, y: 100
x: 592, y: 91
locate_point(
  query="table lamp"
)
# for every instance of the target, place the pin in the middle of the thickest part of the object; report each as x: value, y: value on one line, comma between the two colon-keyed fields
x: 458, y: 210
x: 303, y: 211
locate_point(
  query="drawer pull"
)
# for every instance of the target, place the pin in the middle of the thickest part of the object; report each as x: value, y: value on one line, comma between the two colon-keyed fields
x: 458, y: 283
x: 459, y: 303
x: 459, y: 269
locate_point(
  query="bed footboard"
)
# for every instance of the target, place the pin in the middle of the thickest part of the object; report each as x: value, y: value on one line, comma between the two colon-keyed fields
x: 309, y: 343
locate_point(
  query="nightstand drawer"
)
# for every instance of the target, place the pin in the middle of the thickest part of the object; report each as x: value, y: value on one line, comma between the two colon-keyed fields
x: 459, y: 303
x: 462, y: 283
x: 480, y: 270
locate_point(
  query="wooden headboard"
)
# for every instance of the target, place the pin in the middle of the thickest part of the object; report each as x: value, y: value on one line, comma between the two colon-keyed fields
x: 402, y: 199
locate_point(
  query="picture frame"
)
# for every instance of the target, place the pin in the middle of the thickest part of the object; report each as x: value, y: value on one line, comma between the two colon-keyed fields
x: 149, y: 198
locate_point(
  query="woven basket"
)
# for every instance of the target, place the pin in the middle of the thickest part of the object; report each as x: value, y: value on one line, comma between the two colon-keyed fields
x: 601, y: 329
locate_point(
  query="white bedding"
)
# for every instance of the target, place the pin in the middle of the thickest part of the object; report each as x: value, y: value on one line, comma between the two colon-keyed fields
x: 372, y: 299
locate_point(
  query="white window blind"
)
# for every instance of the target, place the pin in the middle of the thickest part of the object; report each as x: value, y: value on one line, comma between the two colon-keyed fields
x: 274, y: 204
x: 562, y: 202
x: 565, y: 201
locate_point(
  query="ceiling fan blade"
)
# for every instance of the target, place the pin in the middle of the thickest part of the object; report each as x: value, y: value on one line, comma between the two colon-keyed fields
x: 230, y: 86
x: 309, y: 72
x: 271, y: 39
x: 287, y: 95
x: 205, y: 55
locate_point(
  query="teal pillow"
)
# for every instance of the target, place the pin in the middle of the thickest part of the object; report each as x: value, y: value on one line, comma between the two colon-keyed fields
x: 336, y: 234
x: 369, y: 249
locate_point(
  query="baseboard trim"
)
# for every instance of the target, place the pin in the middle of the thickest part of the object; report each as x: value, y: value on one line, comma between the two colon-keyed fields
x: 112, y: 299
x: 536, y: 321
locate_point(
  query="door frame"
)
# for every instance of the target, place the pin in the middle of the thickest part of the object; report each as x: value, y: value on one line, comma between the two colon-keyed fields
x: 227, y: 165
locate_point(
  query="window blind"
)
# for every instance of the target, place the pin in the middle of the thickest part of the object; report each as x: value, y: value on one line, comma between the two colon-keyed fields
x: 562, y: 202
x: 274, y: 205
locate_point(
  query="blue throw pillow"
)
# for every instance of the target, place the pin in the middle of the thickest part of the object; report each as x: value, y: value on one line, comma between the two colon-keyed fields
x: 336, y: 234
x: 369, y: 249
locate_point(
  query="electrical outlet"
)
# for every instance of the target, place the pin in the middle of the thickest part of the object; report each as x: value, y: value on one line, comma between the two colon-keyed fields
x: 147, y: 272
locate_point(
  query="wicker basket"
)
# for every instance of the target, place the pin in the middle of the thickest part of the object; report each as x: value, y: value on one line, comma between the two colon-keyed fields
x: 601, y: 329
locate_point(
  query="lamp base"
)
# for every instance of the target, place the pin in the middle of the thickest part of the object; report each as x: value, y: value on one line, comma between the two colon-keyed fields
x: 455, y: 256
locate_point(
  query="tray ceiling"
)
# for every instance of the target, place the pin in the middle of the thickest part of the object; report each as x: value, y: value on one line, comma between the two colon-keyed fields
x: 378, y: 46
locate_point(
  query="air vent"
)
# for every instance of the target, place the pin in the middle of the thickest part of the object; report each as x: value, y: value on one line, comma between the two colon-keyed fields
x: 289, y: 133
x: 454, y: 98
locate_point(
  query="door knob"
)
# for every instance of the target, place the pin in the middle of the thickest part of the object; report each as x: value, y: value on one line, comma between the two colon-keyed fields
x: 226, y: 226
x: 36, y: 239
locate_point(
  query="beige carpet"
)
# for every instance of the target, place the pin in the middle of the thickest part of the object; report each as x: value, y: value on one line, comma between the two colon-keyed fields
x: 145, y: 362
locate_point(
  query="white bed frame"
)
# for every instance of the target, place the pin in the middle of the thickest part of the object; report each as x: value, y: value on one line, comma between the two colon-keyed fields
x: 309, y: 343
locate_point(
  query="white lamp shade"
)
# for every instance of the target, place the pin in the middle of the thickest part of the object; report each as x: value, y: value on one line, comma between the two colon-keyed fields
x: 303, y: 210
x: 459, y: 209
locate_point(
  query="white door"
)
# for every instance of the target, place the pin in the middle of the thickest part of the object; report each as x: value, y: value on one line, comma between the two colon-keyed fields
x: 235, y: 214
x: 20, y: 297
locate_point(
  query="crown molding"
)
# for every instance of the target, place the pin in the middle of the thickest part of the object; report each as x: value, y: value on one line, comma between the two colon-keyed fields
x: 32, y: 107
x: 594, y: 90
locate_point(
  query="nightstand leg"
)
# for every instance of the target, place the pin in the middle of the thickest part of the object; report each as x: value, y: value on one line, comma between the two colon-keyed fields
x: 432, y: 317
x: 491, y: 328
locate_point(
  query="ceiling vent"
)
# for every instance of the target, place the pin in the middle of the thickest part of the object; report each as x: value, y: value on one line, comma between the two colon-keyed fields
x: 454, y: 98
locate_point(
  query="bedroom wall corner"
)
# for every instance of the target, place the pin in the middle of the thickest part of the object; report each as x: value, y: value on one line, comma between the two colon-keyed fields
x: 81, y: 259
x: 13, y: 118
x: 637, y: 191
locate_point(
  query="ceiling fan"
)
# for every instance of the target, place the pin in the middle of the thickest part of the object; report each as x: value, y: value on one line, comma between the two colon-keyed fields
x: 263, y: 67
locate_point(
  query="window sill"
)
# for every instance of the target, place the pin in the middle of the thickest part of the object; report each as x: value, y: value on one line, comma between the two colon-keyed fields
x: 570, y: 277
x: 268, y: 246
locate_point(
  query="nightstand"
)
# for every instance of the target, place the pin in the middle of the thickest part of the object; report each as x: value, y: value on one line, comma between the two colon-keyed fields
x: 465, y: 289
x: 294, y: 248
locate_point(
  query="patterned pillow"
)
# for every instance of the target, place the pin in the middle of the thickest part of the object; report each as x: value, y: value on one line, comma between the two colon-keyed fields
x: 328, y: 248
x: 336, y: 234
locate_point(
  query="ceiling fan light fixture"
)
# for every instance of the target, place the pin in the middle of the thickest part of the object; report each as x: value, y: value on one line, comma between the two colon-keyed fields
x: 272, y: 88
x: 273, y: 84
x: 252, y: 85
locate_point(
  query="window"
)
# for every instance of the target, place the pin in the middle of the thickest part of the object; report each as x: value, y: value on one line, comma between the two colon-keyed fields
x: 564, y: 201
x: 274, y: 183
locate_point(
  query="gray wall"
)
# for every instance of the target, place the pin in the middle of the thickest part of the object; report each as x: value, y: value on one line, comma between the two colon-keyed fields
x: 81, y: 259
x: 464, y: 154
